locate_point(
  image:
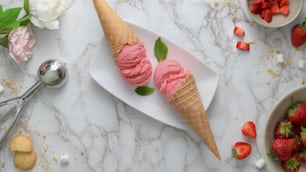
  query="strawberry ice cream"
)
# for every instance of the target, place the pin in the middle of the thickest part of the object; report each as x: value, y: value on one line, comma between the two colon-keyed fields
x: 134, y: 65
x: 168, y: 76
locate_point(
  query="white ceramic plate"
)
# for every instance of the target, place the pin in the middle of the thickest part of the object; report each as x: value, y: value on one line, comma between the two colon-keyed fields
x: 104, y: 71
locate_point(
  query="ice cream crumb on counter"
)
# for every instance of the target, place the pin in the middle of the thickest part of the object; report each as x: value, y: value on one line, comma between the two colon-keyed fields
x: 280, y: 58
x: 64, y: 158
x: 260, y: 163
x: 301, y: 64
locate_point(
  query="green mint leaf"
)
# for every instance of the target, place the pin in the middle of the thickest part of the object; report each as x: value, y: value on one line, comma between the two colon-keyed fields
x: 9, y: 16
x: 4, y: 41
x: 1, y: 9
x: 26, y: 6
x: 160, y: 50
x: 11, y: 26
x: 144, y: 90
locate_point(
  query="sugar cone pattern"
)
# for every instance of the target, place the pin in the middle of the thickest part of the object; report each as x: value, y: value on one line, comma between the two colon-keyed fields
x: 187, y: 101
x: 116, y: 31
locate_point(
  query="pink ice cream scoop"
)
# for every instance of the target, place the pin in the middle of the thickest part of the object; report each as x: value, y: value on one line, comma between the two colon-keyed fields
x: 168, y: 76
x: 134, y: 65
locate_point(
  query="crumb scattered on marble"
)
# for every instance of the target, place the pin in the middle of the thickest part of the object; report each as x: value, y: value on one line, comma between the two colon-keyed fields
x: 260, y: 163
x: 55, y: 158
x: 216, y: 2
x: 272, y: 72
x: 14, y: 89
x: 303, y: 81
x: 44, y: 136
x: 46, y: 147
x: 3, y: 165
x: 251, y: 41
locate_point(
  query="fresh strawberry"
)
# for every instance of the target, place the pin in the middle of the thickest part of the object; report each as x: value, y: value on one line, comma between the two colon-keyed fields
x: 298, y: 145
x: 285, y: 10
x: 241, y: 150
x: 243, y: 46
x: 297, y: 113
x: 302, y: 154
x: 293, y: 164
x: 303, y: 135
x: 298, y: 35
x: 281, y: 149
x: 249, y: 129
x: 283, y: 129
x: 238, y: 31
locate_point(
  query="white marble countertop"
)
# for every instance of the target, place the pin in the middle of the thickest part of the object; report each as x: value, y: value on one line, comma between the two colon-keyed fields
x: 101, y: 133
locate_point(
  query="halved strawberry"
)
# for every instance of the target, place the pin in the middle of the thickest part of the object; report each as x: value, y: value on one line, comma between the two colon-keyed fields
x: 249, y: 129
x: 281, y: 149
x: 292, y: 164
x: 243, y: 46
x: 238, y: 31
x: 283, y: 129
x: 241, y: 150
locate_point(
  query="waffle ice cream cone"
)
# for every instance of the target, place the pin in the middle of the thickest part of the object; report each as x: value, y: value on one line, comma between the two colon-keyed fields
x: 116, y: 31
x: 187, y: 101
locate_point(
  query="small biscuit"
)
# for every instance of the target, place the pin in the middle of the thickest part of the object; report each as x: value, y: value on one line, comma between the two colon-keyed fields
x: 25, y: 160
x: 21, y: 143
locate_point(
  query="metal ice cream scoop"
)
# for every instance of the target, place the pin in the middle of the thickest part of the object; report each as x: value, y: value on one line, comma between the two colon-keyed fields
x: 51, y: 74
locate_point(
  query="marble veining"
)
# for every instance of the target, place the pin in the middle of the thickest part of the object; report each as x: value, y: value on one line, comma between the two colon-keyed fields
x: 101, y: 133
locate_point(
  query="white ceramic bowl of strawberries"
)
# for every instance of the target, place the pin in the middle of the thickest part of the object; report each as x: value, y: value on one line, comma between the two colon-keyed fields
x: 273, y: 136
x: 274, y: 13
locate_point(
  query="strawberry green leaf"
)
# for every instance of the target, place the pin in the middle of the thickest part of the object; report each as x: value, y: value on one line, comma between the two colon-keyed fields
x: 9, y: 16
x: 26, y: 6
x: 144, y: 90
x: 4, y: 41
x: 160, y: 50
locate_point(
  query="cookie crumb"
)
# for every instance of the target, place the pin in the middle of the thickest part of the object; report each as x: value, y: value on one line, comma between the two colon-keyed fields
x: 55, y: 158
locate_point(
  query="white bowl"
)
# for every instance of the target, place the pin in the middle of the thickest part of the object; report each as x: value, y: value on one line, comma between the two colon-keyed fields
x: 277, y: 113
x: 279, y: 20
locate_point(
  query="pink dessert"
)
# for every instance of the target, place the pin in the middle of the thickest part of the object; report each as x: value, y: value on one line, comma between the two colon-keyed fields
x: 134, y: 65
x: 168, y: 76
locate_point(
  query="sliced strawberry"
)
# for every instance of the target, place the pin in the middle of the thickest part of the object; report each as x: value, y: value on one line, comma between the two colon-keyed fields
x: 256, y: 8
x: 283, y: 129
x: 243, y: 46
x: 293, y: 164
x: 285, y: 10
x: 275, y: 8
x: 257, y: 1
x: 241, y: 150
x: 267, y: 15
x: 249, y: 129
x: 281, y: 149
x: 238, y: 31
x: 283, y: 3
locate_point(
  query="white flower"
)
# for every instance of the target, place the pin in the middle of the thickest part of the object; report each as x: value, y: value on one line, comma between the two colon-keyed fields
x: 21, y: 41
x: 46, y: 12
